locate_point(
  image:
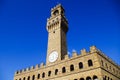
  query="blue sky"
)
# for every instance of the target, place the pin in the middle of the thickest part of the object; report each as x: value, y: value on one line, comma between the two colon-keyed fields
x: 23, y: 35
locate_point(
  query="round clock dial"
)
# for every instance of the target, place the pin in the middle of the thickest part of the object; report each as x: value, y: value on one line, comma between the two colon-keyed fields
x: 53, y: 56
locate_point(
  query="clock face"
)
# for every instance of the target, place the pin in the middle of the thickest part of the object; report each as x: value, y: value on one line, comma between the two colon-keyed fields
x: 53, y: 56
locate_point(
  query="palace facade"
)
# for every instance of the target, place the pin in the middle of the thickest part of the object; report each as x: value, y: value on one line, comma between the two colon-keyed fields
x: 92, y: 65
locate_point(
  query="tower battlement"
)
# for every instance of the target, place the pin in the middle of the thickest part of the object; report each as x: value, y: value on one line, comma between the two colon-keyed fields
x: 57, y: 6
x: 57, y: 19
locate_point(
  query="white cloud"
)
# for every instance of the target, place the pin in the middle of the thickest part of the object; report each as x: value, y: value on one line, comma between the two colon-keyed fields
x: 68, y: 52
x: 73, y: 50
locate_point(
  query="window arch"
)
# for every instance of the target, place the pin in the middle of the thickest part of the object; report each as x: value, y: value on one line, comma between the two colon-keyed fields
x: 43, y: 75
x: 106, y: 65
x: 80, y: 65
x: 38, y: 76
x: 72, y: 67
x: 110, y: 67
x: 81, y: 78
x: 33, y: 77
x: 20, y: 79
x: 49, y: 73
x: 88, y: 78
x: 63, y: 70
x: 113, y: 70
x: 105, y: 78
x: 56, y: 12
x: 28, y: 78
x: 95, y: 77
x: 102, y: 62
x: 24, y: 78
x: 90, y: 63
x: 56, y: 71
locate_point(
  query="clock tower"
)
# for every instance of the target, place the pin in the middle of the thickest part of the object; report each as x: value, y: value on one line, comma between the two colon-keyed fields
x: 57, y: 27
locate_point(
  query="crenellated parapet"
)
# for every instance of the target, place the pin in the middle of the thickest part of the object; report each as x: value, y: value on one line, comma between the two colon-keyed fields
x: 28, y: 69
x: 108, y: 58
x: 59, y: 5
x: 93, y: 49
x: 83, y: 52
x: 67, y: 57
x: 57, y: 19
x: 74, y: 54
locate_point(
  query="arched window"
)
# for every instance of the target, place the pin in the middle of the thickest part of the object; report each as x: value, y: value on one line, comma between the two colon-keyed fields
x: 75, y: 79
x: 38, y: 76
x: 33, y: 77
x: 49, y: 73
x: 88, y: 78
x: 71, y: 67
x: 24, y: 78
x: 80, y: 65
x: 28, y: 78
x: 113, y: 70
x: 43, y: 75
x: 95, y: 77
x: 81, y: 78
x: 106, y: 65
x: 90, y: 63
x: 102, y: 62
x: 110, y: 67
x: 56, y: 71
x: 63, y: 70
x: 20, y: 79
x: 56, y: 12
x: 105, y: 77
